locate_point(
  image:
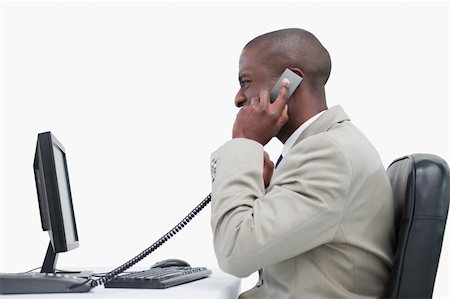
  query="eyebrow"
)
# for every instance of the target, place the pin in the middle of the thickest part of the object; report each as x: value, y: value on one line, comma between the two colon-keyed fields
x: 244, y: 74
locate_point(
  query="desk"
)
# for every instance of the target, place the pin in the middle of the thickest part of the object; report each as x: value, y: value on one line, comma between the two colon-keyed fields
x: 217, y: 286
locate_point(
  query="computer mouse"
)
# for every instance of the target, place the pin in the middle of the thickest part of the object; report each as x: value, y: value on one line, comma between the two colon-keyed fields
x: 170, y: 263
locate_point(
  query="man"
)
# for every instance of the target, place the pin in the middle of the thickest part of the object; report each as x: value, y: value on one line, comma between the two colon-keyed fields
x: 319, y: 225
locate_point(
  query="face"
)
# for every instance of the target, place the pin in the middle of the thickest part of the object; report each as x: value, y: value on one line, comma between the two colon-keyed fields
x: 253, y: 77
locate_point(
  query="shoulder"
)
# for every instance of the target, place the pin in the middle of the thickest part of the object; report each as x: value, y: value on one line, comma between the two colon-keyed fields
x: 324, y: 146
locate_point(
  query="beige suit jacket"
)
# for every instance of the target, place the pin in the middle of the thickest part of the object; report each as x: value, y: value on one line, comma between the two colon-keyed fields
x: 324, y: 226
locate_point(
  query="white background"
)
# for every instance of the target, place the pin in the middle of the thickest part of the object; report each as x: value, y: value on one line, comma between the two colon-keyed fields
x: 141, y: 93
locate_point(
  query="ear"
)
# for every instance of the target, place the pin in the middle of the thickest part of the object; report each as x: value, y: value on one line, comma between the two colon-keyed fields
x: 297, y: 71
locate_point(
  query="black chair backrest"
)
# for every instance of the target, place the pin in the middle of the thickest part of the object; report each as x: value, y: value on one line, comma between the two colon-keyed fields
x: 421, y: 186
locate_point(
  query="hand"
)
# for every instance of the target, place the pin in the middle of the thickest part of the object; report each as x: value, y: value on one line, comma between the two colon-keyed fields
x: 267, y: 170
x: 261, y: 120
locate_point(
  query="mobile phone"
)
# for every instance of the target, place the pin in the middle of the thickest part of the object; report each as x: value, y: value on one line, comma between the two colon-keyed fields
x: 294, y: 82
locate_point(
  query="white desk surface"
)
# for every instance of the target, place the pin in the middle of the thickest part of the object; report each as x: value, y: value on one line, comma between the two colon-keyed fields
x: 219, y: 285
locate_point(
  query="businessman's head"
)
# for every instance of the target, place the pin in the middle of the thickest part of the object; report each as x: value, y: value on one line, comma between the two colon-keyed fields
x: 264, y: 59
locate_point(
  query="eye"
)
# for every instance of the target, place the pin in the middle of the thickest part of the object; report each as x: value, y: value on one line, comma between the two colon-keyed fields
x: 244, y: 83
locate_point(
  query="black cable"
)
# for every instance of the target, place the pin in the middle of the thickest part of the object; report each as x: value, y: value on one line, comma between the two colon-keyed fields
x: 29, y: 270
x: 114, y: 273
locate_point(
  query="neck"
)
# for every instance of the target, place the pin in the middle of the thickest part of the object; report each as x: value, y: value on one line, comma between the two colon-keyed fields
x: 298, y: 116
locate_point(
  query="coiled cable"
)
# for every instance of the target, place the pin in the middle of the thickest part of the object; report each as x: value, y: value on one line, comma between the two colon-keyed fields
x: 114, y: 273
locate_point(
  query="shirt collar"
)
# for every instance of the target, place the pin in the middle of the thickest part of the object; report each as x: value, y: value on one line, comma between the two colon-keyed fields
x: 291, y: 140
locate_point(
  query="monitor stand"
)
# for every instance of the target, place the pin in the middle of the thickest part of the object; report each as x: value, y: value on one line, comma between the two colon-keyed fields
x: 50, y: 280
x: 51, y: 257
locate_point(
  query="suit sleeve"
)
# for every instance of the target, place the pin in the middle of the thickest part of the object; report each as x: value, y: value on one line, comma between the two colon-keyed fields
x: 301, y: 209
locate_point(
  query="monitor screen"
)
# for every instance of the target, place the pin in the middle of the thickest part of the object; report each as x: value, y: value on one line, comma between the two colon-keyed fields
x: 64, y: 195
x: 54, y: 197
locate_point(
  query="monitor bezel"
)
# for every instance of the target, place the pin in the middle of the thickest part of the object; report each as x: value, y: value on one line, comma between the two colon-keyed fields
x: 52, y: 217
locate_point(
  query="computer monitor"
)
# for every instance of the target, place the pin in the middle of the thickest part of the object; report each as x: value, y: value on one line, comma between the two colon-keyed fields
x: 55, y: 198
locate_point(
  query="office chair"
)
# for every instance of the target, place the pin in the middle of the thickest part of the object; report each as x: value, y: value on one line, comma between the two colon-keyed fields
x: 421, y: 186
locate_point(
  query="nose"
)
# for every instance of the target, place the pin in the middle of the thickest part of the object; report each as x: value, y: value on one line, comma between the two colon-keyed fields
x: 240, y: 99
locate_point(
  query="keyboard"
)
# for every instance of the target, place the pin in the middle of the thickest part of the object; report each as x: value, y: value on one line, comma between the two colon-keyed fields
x: 36, y: 282
x: 158, y: 278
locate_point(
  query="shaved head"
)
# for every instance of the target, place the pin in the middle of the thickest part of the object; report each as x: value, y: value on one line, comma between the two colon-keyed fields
x: 294, y: 48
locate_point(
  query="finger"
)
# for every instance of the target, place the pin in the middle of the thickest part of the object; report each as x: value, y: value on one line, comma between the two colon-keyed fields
x: 266, y: 157
x: 254, y: 101
x: 264, y: 97
x: 284, y: 117
x: 267, y: 170
x: 281, y: 99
